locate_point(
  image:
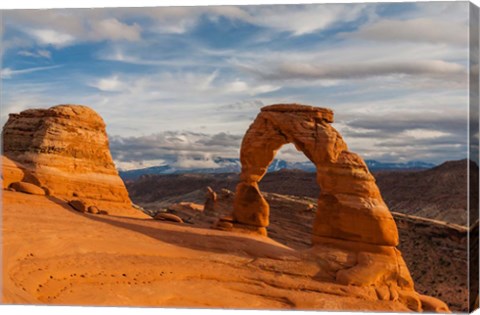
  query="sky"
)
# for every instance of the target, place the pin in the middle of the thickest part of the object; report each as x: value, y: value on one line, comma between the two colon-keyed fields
x: 181, y: 85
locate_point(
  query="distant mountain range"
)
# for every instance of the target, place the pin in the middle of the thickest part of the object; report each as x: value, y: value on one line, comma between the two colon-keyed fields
x: 233, y: 165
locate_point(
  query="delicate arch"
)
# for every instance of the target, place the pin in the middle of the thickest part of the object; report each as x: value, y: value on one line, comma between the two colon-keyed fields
x: 350, y: 205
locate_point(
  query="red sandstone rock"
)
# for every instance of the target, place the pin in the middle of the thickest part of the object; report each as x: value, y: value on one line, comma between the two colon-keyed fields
x: 223, y: 225
x: 354, y: 233
x: 430, y: 304
x: 168, y: 217
x: 78, y: 205
x: 11, y: 172
x: 186, y: 206
x: 65, y: 148
x: 93, y: 210
x: 210, y: 200
x: 349, y: 193
x: 27, y: 188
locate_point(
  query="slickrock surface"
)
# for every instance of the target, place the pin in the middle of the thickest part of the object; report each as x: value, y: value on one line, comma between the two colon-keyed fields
x: 442, y: 275
x: 84, y: 259
x: 65, y: 149
x: 11, y: 172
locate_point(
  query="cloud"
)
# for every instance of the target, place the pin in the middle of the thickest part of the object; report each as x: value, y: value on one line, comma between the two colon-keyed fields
x: 171, y: 100
x: 302, y: 19
x: 51, y: 37
x: 221, y: 139
x: 395, y: 122
x: 39, y: 53
x: 415, y: 30
x: 244, y: 105
x: 305, y: 19
x: 8, y: 73
x: 402, y: 136
x: 239, y: 86
x: 345, y: 71
x: 181, y: 85
x: 390, y: 139
x: 110, y: 84
x: 162, y: 69
x: 184, y: 149
x: 181, y: 149
x: 112, y: 29
x: 65, y: 27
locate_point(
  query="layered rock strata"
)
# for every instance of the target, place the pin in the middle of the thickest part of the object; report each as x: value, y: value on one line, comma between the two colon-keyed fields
x: 64, y: 149
x: 354, y: 232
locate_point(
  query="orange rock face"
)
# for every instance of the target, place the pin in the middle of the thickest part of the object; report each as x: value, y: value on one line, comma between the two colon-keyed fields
x: 354, y: 232
x: 65, y: 149
x: 348, y: 190
x: 11, y: 172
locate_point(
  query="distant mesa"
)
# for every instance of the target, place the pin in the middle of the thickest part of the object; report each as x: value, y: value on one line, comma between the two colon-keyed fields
x: 64, y: 150
x: 351, y: 219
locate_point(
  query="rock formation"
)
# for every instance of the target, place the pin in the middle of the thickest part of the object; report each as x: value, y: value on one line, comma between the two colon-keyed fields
x: 354, y: 233
x: 65, y: 150
x: 78, y: 205
x: 210, y: 200
x: 27, y: 188
x: 11, y: 172
x: 168, y: 217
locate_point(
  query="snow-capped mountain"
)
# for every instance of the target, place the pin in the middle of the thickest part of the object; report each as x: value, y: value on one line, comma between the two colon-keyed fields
x: 418, y: 165
x: 233, y: 165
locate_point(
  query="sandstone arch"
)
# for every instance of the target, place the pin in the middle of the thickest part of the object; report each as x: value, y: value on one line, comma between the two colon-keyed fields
x: 350, y: 206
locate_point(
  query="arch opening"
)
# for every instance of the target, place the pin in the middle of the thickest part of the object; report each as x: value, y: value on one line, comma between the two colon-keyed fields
x: 290, y: 173
x: 350, y: 206
x: 290, y: 189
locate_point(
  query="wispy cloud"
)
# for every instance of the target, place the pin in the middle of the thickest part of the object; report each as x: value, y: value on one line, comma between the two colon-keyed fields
x: 39, y: 53
x: 7, y: 73
x: 61, y: 28
x: 113, y: 29
x: 311, y: 70
x: 109, y: 84
x: 51, y: 37
x: 419, y: 30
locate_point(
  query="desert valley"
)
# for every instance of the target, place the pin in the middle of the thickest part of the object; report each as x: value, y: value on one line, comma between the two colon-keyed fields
x: 75, y: 234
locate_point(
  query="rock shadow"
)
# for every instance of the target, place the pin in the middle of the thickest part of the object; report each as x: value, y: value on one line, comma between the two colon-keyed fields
x: 216, y: 242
